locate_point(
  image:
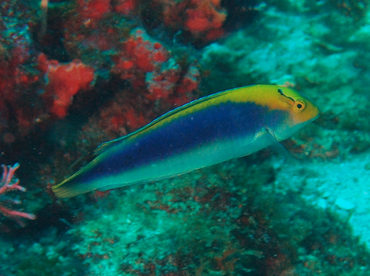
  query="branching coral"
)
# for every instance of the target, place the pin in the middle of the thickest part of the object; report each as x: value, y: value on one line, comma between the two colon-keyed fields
x: 8, y: 185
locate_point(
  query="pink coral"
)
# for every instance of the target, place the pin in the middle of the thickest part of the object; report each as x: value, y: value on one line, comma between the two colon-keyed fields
x: 6, y: 186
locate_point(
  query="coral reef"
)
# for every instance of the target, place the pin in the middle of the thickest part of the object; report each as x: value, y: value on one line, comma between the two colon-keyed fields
x: 18, y: 79
x: 76, y: 73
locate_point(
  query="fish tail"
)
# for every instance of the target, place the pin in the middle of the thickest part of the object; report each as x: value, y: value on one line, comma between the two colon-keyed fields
x: 70, y: 188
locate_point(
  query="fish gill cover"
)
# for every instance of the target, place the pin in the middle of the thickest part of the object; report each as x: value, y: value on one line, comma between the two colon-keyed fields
x: 76, y: 73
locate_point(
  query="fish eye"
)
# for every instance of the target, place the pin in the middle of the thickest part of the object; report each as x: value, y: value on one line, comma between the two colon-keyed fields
x: 299, y: 106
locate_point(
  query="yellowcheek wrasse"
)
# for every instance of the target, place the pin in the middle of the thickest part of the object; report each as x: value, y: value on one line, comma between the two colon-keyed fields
x: 204, y: 132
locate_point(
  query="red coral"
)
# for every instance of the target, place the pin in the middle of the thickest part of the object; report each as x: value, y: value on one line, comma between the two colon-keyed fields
x: 125, y: 7
x: 123, y: 115
x: 161, y: 85
x: 188, y: 84
x: 139, y: 56
x: 158, y: 83
x: 10, y: 71
x: 144, y: 53
x: 134, y: 119
x: 190, y: 81
x: 93, y: 9
x: 63, y: 82
x: 16, y: 78
x: 206, y: 15
x: 204, y: 19
x: 172, y: 84
x: 164, y: 89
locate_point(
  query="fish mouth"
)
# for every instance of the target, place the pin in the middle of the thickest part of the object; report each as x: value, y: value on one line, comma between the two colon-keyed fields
x: 314, y: 118
x: 309, y: 121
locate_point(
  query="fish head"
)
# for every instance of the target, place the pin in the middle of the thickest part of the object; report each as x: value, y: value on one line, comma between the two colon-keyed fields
x: 289, y: 111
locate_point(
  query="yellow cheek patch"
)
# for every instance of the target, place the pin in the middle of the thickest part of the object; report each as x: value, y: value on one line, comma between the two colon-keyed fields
x: 288, y: 101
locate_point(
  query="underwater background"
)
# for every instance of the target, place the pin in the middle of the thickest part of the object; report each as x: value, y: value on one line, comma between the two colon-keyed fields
x: 76, y: 73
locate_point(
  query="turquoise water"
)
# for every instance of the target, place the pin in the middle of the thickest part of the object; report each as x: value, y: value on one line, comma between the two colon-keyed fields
x: 80, y: 73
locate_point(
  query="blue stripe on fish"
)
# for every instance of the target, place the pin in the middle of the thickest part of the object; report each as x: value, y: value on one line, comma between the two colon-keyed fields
x: 183, y: 134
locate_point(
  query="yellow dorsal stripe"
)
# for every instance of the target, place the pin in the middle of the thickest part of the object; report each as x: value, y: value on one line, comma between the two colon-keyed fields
x: 238, y: 95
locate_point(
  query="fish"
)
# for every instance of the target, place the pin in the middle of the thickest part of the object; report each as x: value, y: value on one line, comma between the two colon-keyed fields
x: 207, y: 131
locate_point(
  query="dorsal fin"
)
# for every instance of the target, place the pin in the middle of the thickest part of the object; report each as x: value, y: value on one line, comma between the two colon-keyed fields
x: 107, y: 145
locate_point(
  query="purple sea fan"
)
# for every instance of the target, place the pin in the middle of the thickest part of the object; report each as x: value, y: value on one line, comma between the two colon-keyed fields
x: 7, y: 185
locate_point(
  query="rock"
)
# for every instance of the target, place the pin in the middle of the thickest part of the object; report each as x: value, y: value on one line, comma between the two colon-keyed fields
x: 344, y: 204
